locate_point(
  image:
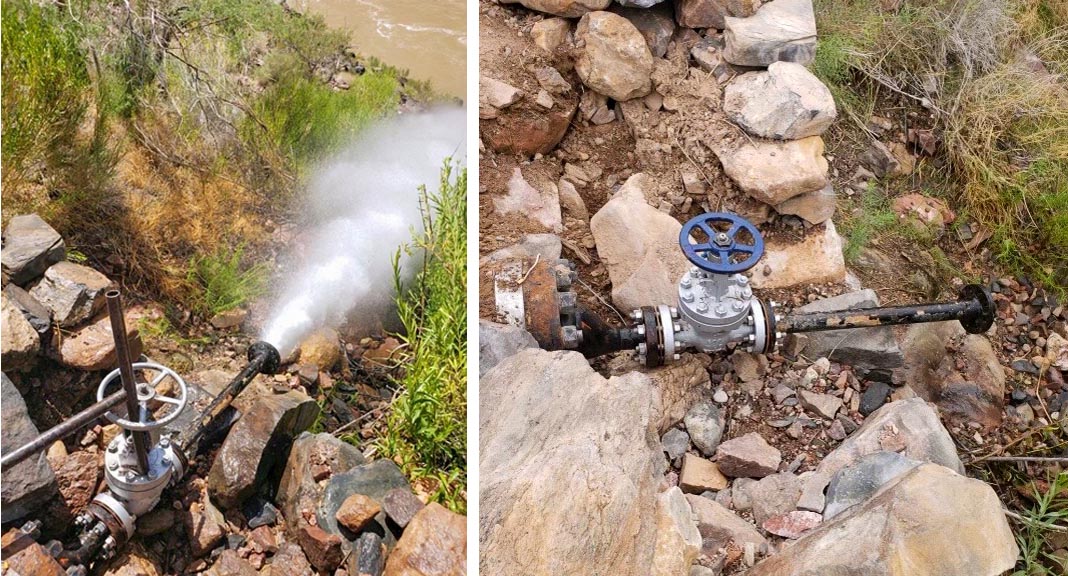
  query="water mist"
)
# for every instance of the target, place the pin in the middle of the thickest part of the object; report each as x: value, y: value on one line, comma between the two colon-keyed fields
x: 362, y: 205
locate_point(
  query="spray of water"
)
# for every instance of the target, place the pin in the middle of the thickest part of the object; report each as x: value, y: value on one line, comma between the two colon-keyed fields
x: 363, y: 204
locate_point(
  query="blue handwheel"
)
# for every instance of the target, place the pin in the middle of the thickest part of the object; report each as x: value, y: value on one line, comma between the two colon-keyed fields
x: 716, y: 253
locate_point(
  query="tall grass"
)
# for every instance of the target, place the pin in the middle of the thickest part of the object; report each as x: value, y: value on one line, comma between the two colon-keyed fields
x: 427, y: 425
x: 1049, y: 512
x: 225, y: 281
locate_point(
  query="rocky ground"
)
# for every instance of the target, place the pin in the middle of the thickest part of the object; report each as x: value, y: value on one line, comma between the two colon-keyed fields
x: 602, y: 128
x: 278, y: 492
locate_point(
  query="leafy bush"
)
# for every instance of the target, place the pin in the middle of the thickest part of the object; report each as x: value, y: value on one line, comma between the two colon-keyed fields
x: 224, y: 282
x: 427, y: 425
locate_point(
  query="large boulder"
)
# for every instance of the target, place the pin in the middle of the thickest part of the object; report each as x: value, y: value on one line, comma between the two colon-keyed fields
x: 566, y: 8
x: 19, y: 342
x: 816, y: 259
x: 932, y: 521
x: 873, y: 347
x: 259, y: 441
x: 434, y: 544
x: 499, y: 341
x: 680, y: 384
x: 31, y: 482
x: 30, y: 246
x: 74, y: 293
x: 569, y: 468
x: 909, y: 426
x: 712, y: 13
x: 774, y: 172
x: 639, y: 245
x: 781, y: 30
x: 92, y: 347
x: 612, y: 56
x: 857, y: 482
x: 786, y: 102
x: 313, y: 459
x: 677, y: 540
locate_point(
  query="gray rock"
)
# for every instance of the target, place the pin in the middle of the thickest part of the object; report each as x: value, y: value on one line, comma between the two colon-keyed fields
x: 612, y: 57
x: 496, y: 93
x: 874, y: 397
x: 401, y: 506
x: 679, y: 386
x: 786, y: 102
x: 374, y: 479
x: 773, y: 495
x: 815, y: 207
x: 859, y: 481
x: 257, y: 443
x: 74, y: 293
x: 858, y: 347
x: 740, y: 494
x: 367, y: 555
x: 499, y: 341
x: 781, y: 30
x: 678, y: 541
x: 749, y: 367
x: 907, y: 426
x: 30, y: 246
x: 38, y: 316
x: 879, y: 159
x: 812, y: 496
x: 571, y: 201
x: 655, y: 25
x: 774, y: 171
x: 19, y: 342
x: 719, y: 527
x: 30, y: 483
x: 676, y: 442
x: 748, y: 456
x: 711, y: 13
x: 705, y: 422
x: 566, y: 8
x: 545, y: 246
x: 312, y: 459
x: 824, y: 405
x: 905, y: 530
x: 639, y: 3
x: 556, y: 438
x: 542, y: 205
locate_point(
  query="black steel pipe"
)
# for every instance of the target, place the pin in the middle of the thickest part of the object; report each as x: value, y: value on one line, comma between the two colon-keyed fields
x: 62, y: 430
x: 129, y: 382
x: 974, y: 310
x: 262, y: 358
x: 599, y: 338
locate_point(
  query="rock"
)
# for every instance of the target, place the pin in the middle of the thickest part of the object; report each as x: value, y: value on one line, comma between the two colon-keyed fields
x: 401, y: 506
x: 705, y: 423
x: 550, y: 33
x: 545, y: 246
x: 321, y: 348
x: 541, y: 206
x: 322, y: 549
x: 205, y: 526
x: 870, y: 348
x: 793, y: 524
x: 749, y: 367
x: 30, y: 483
x: 786, y: 102
x: 30, y: 247
x: 230, y: 563
x: 434, y: 544
x: 499, y: 341
x: 312, y: 458
x: 679, y: 385
x: 33, y: 311
x: 748, y: 456
x: 699, y: 475
x: 823, y: 405
x: 157, y: 521
x: 815, y: 207
x: 879, y: 159
x: 92, y: 347
x: 357, y: 511
x: 255, y: 444
x: 780, y: 30
x: 812, y: 486
x: 926, y: 211
x: 571, y: 201
x: 708, y: 57
x: 1057, y: 351
x: 74, y: 293
x: 902, y: 530
x: 773, y: 172
x: 20, y: 341
x: 612, y: 56
x: 136, y: 561
x: 774, y: 495
x: 710, y: 13
x: 529, y: 130
x: 907, y: 426
x: 655, y: 25
x: 558, y: 441
x: 496, y: 93
x: 374, y: 479
x: 289, y: 561
x: 639, y: 245
x: 816, y: 259
x: 639, y: 3
x: 229, y: 318
x: 719, y: 527
x: 368, y: 555
x: 676, y: 442
x: 77, y: 476
x: 857, y: 482
x: 677, y: 540
x: 565, y: 8
x: 874, y: 397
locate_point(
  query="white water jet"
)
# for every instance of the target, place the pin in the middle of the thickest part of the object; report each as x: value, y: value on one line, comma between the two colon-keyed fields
x: 363, y: 204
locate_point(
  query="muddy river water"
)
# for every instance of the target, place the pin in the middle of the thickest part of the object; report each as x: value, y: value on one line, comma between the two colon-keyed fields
x: 428, y: 38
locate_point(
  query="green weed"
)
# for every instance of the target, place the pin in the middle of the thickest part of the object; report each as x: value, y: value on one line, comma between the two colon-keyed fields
x: 224, y: 282
x: 870, y: 216
x: 427, y: 424
x: 1049, y: 513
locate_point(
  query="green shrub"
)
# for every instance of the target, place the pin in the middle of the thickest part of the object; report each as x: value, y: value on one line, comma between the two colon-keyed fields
x: 427, y: 425
x: 223, y: 282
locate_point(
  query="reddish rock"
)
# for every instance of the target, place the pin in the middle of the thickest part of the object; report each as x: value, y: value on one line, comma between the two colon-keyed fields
x: 262, y: 539
x: 322, y: 549
x: 748, y: 456
x: 205, y: 525
x: 289, y: 561
x: 435, y: 543
x: 792, y: 524
x: 30, y: 558
x: 92, y: 347
x: 77, y: 475
x: 229, y: 563
x: 357, y: 511
x: 385, y: 352
x: 401, y: 506
x: 528, y: 132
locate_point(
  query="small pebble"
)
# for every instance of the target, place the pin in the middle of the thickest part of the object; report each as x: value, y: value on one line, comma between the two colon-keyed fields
x: 720, y: 396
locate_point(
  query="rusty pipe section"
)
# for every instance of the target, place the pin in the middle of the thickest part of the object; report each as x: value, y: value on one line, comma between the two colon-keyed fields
x: 129, y: 382
x: 62, y: 430
x: 974, y: 310
x: 262, y: 358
